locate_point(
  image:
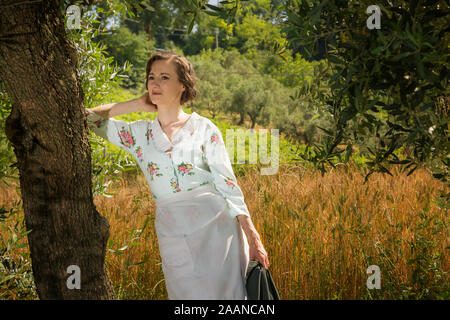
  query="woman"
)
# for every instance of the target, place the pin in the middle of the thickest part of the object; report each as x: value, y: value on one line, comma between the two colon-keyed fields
x: 200, y: 209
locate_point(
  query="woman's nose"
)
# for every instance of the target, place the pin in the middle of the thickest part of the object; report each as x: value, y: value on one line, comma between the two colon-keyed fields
x: 154, y: 82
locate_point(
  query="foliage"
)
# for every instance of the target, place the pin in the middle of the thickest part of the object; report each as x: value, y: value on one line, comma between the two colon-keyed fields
x: 131, y: 49
x: 295, y: 71
x: 97, y: 74
x: 209, y: 68
x: 16, y: 277
x: 401, y: 68
x: 428, y: 279
x: 8, y: 169
x: 99, y: 78
x: 231, y: 84
x: 254, y: 32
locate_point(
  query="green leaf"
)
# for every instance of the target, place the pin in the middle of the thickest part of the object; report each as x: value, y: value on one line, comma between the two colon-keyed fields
x: 420, y: 67
x: 383, y: 169
x: 231, y: 15
x: 347, y: 114
x: 315, y: 13
x: 212, y: 13
x: 136, y: 264
x: 370, y: 117
x: 326, y: 131
x: 377, y: 50
x: 399, y: 161
x: 212, y: 7
x: 191, y: 25
x: 334, y: 59
x: 403, y: 55
x: 349, y: 152
x: 410, y: 172
x: 411, y: 37
x: 134, y: 244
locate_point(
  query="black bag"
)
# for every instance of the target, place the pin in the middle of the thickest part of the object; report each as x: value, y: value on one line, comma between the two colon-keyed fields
x: 259, y: 283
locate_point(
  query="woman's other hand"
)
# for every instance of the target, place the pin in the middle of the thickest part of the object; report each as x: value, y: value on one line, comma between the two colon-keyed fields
x: 147, y: 104
x: 257, y: 252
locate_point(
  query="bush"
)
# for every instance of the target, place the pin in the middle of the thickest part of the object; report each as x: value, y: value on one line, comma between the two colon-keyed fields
x: 16, y: 277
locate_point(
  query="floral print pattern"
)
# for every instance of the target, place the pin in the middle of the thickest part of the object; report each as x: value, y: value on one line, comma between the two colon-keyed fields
x: 169, y: 152
x: 215, y: 139
x: 185, y: 168
x: 127, y: 138
x: 230, y: 182
x: 149, y: 134
x: 139, y: 153
x: 145, y: 141
x: 99, y: 122
x: 153, y: 170
x: 174, y: 185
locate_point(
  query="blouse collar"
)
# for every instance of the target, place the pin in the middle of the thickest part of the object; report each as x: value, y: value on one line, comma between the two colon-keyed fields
x: 160, y: 139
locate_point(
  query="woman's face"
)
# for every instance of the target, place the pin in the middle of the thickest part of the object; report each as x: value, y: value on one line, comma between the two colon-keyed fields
x: 163, y: 86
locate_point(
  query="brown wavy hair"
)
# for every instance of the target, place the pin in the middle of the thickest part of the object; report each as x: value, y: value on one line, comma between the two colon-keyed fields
x: 184, y: 70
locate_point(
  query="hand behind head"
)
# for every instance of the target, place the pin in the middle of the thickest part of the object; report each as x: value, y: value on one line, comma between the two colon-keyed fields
x: 147, y: 103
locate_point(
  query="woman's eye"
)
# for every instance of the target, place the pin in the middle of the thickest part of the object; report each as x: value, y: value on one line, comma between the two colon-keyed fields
x: 150, y: 78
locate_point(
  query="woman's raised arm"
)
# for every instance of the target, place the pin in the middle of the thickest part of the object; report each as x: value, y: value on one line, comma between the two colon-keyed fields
x: 119, y: 132
x: 143, y: 103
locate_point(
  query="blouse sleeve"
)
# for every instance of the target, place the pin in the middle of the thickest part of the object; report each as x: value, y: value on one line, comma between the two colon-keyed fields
x: 118, y: 132
x: 218, y: 160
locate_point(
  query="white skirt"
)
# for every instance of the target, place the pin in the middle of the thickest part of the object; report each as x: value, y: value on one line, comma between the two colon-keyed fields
x: 204, y: 251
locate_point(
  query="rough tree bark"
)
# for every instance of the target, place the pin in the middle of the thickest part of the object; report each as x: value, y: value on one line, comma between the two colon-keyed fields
x: 48, y: 130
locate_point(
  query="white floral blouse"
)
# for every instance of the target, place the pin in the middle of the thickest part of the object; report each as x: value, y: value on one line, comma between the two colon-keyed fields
x: 196, y: 156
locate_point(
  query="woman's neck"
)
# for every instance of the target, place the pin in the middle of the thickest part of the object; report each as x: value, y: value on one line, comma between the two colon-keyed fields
x: 171, y: 117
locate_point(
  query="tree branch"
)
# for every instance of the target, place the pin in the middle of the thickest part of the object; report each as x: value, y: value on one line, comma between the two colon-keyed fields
x: 13, y: 4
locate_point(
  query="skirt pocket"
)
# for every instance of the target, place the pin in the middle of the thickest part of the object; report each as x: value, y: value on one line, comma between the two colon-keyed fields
x: 176, y: 257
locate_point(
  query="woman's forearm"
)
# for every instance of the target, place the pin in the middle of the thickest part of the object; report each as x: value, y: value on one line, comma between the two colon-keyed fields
x: 249, y: 228
x: 115, y: 109
x: 256, y: 250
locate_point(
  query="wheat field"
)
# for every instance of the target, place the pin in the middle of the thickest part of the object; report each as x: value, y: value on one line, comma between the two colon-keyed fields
x: 321, y: 233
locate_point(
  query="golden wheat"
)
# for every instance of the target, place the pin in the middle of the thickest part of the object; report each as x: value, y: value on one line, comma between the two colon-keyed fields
x: 321, y: 233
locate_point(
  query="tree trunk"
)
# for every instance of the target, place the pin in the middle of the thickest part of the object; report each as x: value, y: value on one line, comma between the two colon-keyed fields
x: 241, y: 119
x: 148, y: 30
x: 252, y: 119
x: 48, y: 130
